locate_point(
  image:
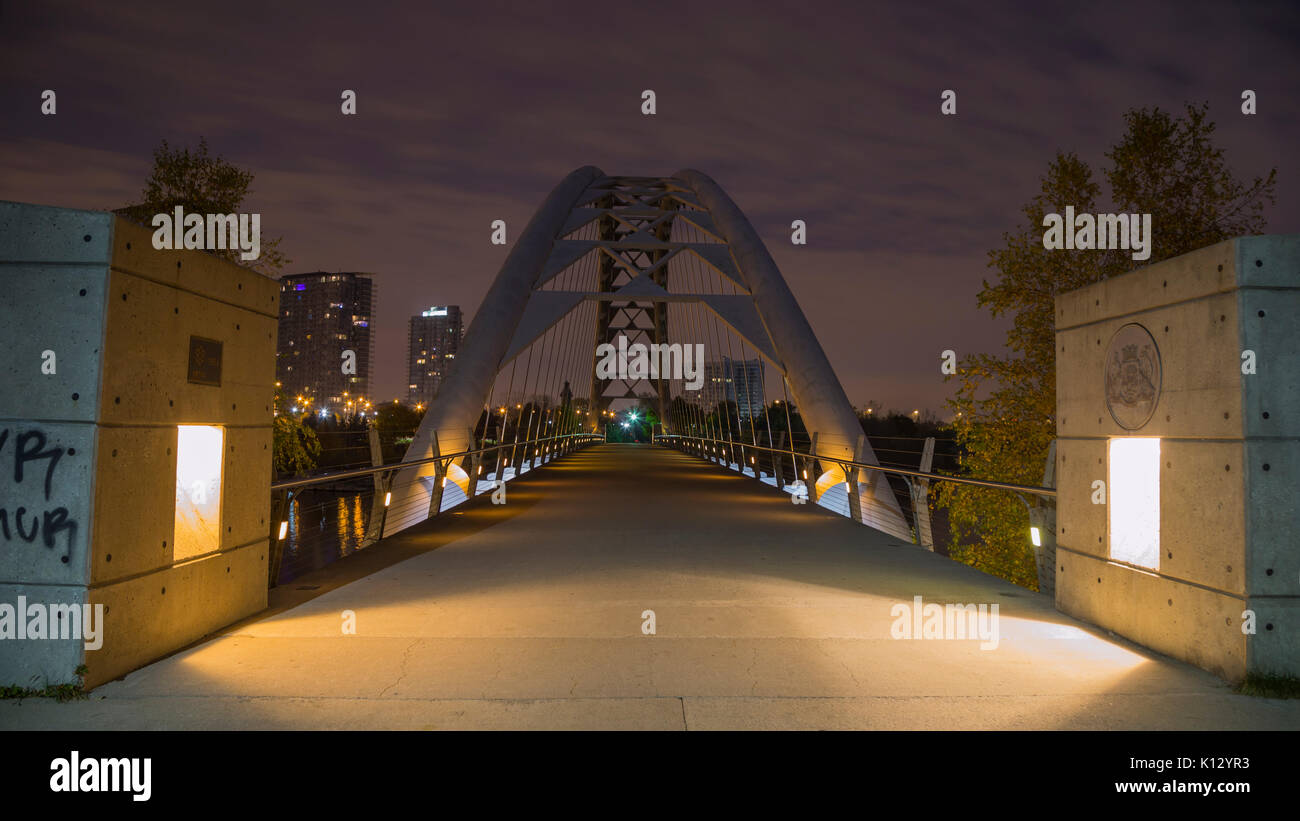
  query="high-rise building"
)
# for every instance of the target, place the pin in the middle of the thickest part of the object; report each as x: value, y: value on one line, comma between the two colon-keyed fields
x: 734, y: 381
x: 326, y: 346
x: 433, y: 340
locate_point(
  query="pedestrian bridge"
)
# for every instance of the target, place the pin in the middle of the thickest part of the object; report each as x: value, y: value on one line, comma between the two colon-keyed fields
x: 766, y: 614
x: 1165, y: 514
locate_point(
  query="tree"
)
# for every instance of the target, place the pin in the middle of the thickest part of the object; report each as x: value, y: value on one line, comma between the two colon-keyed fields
x: 1006, y: 404
x: 201, y: 184
x: 397, y: 419
x: 295, y: 445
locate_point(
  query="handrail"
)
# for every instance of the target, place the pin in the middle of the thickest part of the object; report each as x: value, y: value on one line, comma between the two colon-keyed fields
x: 1039, y: 491
x: 358, y: 472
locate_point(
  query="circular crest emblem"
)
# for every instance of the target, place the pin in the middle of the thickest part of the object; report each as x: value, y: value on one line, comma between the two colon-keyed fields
x: 1132, y: 376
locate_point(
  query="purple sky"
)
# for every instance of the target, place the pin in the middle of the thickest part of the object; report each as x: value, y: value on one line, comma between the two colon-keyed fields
x: 826, y: 112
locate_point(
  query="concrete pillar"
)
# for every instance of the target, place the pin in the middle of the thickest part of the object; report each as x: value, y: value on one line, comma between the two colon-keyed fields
x: 117, y: 356
x: 1177, y: 389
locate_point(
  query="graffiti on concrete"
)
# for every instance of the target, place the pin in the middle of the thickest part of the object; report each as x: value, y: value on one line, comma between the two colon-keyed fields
x: 28, y: 453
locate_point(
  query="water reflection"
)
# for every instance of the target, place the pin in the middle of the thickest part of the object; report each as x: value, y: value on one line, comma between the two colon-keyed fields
x: 324, y: 526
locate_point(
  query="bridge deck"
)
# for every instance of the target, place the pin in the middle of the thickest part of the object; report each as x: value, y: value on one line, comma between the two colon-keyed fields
x: 769, y: 615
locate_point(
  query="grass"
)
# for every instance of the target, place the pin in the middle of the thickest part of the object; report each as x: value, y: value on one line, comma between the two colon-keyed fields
x: 58, y: 692
x: 1269, y: 685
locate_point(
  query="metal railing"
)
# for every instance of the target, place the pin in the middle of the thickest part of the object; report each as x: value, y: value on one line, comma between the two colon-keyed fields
x: 518, y: 457
x: 524, y: 456
x: 847, y: 463
x: 917, y: 481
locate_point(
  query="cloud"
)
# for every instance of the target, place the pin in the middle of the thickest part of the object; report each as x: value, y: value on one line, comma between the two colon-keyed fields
x: 473, y: 112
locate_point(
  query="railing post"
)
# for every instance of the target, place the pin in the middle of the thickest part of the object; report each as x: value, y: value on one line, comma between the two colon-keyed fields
x: 1043, y: 516
x: 377, y: 503
x: 537, y: 444
x: 376, y: 450
x: 375, y: 531
x: 501, y: 456
x: 921, y: 498
x: 851, y: 479
x: 514, y: 461
x: 476, y: 462
x: 778, y: 469
x: 810, y: 467
x: 280, y: 507
x: 439, y: 479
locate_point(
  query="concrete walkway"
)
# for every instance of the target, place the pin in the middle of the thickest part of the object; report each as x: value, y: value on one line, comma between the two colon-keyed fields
x: 768, y: 615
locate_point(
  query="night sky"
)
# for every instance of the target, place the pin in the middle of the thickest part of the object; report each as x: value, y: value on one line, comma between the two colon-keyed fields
x: 825, y: 112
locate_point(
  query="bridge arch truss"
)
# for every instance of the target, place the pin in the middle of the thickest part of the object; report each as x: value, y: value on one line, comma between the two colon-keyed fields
x: 657, y: 261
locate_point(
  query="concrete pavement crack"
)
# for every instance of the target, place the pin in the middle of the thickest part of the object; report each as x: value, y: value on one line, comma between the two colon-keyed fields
x: 406, y: 655
x: 821, y: 646
x: 750, y: 671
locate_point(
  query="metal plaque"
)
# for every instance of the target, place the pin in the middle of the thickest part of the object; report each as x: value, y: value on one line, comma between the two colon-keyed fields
x: 205, y: 362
